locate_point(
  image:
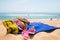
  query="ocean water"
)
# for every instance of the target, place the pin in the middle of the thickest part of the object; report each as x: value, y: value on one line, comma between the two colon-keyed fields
x: 30, y: 15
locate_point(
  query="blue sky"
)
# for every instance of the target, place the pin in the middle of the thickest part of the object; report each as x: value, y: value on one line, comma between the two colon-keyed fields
x: 29, y: 5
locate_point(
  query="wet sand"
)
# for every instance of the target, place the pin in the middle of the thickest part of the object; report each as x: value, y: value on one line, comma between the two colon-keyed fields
x: 55, y: 35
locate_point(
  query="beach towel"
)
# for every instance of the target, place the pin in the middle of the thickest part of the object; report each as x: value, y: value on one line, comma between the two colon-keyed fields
x: 40, y: 27
x: 36, y: 27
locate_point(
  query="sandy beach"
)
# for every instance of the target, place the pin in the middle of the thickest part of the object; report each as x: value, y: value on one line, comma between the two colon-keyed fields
x: 55, y: 35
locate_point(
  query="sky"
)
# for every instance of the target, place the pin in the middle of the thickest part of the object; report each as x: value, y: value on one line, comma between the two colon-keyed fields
x: 29, y: 5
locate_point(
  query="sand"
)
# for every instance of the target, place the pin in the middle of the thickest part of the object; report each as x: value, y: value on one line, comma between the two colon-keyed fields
x: 55, y: 35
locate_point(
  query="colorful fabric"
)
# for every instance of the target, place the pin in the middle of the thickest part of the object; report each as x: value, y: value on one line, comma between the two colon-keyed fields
x: 35, y: 27
x: 11, y: 27
x: 19, y: 24
x: 25, y: 33
x: 19, y: 27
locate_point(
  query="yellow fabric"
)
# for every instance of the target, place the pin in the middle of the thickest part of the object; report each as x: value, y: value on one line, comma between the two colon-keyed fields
x: 9, y: 24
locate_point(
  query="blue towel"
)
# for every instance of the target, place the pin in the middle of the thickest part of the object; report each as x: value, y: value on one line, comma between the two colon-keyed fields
x: 40, y: 27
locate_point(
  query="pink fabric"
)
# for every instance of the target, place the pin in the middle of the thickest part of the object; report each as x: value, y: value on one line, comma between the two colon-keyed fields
x: 32, y: 30
x: 25, y: 33
x: 21, y: 25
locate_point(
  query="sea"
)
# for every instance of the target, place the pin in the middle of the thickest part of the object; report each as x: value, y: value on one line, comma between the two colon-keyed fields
x: 29, y: 15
